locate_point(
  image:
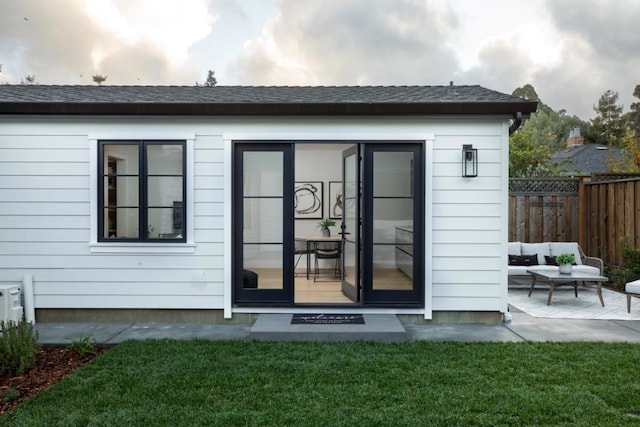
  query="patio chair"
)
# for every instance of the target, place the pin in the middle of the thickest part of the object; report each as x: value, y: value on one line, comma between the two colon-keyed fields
x: 632, y: 289
x: 329, y: 251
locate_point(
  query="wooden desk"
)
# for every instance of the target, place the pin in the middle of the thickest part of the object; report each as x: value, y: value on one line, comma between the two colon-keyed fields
x: 315, y: 239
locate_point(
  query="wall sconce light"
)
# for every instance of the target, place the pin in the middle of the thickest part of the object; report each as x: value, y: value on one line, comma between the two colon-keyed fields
x: 469, y: 161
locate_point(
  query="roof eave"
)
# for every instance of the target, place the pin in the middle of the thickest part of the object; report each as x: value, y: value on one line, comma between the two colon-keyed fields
x: 266, y: 109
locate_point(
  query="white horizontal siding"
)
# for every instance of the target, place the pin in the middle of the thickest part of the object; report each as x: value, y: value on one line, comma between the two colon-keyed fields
x: 45, y: 186
x: 468, y: 224
x: 33, y: 181
x: 45, y: 191
x: 97, y: 261
x: 464, y: 290
x: 45, y: 209
x: 45, y: 221
x: 478, y: 210
x: 140, y: 274
x: 150, y: 301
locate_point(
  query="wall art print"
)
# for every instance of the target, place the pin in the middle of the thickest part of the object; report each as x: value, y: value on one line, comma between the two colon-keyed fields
x: 335, y: 199
x: 307, y: 199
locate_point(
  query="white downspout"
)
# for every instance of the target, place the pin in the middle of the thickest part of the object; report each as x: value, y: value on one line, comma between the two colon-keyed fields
x: 27, y: 289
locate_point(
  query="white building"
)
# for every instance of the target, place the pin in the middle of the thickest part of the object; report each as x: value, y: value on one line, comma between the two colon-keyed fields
x: 184, y: 203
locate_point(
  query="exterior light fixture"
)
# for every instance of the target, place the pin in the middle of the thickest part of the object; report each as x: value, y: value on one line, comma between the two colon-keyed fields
x: 469, y: 161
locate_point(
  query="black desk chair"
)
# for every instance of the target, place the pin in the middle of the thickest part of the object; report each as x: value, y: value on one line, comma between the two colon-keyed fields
x: 327, y: 250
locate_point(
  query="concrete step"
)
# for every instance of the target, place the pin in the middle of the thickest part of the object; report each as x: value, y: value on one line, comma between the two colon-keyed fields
x: 376, y: 327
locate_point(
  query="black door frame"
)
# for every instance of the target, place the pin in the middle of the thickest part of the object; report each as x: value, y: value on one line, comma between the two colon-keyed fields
x: 370, y: 297
x: 263, y: 297
x: 353, y: 291
x: 389, y: 297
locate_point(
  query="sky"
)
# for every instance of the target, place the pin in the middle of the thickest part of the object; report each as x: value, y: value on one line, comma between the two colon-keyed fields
x: 571, y: 51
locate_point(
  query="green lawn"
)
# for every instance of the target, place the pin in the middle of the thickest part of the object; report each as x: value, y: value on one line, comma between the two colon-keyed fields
x: 194, y: 383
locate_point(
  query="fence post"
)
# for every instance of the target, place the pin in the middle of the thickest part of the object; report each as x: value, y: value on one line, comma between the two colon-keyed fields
x: 582, y: 212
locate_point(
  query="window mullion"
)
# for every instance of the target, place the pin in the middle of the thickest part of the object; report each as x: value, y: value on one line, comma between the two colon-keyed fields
x: 142, y: 191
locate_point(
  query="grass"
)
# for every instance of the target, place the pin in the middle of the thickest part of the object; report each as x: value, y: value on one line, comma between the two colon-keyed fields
x: 186, y: 383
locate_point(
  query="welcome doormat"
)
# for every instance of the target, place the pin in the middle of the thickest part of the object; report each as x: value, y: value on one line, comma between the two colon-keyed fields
x: 327, y: 319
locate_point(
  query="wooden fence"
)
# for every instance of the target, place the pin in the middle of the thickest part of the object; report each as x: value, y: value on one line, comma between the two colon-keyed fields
x: 543, y: 210
x: 610, y: 210
x: 596, y: 214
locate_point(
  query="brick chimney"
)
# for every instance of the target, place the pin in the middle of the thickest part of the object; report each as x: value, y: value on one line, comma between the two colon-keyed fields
x: 575, y: 139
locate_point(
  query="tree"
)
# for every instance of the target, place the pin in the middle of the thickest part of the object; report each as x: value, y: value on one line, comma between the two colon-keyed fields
x: 527, y: 157
x: 99, y: 79
x: 634, y: 114
x: 629, y: 161
x: 608, y: 126
x: 29, y: 80
x: 549, y: 127
x: 210, y: 81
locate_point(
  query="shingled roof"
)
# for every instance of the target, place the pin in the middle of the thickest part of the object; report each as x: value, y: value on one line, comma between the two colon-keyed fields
x: 259, y: 100
x: 586, y: 159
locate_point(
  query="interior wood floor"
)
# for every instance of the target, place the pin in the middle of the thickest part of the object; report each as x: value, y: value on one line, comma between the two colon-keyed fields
x: 328, y: 290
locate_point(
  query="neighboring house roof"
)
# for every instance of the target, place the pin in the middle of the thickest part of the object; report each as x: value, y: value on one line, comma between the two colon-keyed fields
x: 587, y: 159
x: 260, y: 100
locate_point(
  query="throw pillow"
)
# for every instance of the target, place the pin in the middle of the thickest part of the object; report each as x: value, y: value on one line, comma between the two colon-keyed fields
x: 523, y: 260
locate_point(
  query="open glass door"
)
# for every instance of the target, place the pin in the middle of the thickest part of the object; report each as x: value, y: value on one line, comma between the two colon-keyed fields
x: 263, y: 223
x: 351, y: 223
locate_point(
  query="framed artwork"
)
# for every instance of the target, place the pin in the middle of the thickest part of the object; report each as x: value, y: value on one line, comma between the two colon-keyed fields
x: 335, y: 199
x: 307, y: 199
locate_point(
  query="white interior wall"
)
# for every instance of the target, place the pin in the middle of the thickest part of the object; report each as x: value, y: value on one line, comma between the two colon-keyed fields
x: 317, y: 162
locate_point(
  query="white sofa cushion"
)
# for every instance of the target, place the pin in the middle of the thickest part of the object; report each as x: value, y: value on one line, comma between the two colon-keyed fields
x: 514, y: 248
x: 540, y: 249
x: 557, y: 248
x: 582, y: 268
x: 633, y: 287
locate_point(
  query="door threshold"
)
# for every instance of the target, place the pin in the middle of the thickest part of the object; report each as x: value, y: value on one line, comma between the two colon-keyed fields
x: 328, y: 309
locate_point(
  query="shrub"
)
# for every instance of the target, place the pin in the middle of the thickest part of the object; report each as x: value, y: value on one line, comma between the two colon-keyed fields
x: 10, y: 395
x: 18, y: 347
x: 629, y: 270
x: 85, y: 345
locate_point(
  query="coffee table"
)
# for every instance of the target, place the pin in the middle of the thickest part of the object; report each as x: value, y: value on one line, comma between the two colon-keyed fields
x: 556, y: 279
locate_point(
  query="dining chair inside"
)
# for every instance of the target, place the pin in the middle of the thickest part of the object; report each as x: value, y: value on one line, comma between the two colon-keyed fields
x: 328, y: 251
x: 300, y: 248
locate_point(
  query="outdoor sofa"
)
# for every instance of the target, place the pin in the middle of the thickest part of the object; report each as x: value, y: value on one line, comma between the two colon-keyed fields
x: 527, y: 256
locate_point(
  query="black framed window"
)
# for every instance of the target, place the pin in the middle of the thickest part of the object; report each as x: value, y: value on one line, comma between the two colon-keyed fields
x: 141, y: 191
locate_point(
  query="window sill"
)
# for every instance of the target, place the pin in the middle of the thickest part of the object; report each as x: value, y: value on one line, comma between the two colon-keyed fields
x: 142, y: 248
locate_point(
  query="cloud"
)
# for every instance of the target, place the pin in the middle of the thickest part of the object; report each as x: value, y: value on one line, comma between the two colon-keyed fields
x: 68, y: 41
x: 599, y: 51
x: 351, y: 42
x: 502, y: 65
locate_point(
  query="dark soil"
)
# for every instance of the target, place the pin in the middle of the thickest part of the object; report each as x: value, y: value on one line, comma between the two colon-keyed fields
x: 52, y: 364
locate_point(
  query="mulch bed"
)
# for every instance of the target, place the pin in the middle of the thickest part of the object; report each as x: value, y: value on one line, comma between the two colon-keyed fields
x: 52, y: 364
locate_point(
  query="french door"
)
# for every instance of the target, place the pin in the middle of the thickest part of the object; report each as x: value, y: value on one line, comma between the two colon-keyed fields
x: 393, y: 224
x: 263, y: 223
x: 382, y: 223
x: 351, y: 223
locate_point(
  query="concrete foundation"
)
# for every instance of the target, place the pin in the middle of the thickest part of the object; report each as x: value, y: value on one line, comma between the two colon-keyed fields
x: 102, y: 315
x: 49, y: 315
